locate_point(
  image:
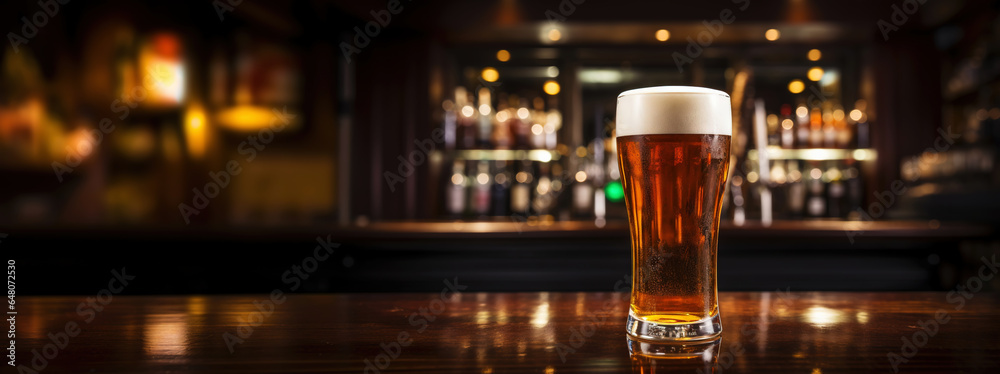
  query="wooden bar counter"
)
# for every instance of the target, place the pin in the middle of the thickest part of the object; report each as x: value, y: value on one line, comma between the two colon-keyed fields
x: 469, y: 332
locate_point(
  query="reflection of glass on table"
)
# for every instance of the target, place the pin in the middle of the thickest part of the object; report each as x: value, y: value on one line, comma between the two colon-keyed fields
x: 650, y: 358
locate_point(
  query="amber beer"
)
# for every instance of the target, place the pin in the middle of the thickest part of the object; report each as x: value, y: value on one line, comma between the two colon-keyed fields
x: 673, y: 150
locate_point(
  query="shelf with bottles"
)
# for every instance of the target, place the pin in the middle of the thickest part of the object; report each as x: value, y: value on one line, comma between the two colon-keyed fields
x: 797, y: 189
x: 977, y: 65
x: 542, y: 155
x: 967, y: 157
x: 809, y: 163
x: 816, y: 154
x: 497, y: 121
x: 581, y: 186
x: 822, y: 131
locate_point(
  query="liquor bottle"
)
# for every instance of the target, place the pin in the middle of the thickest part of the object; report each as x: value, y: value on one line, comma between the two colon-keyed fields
x: 500, y: 193
x: 485, y: 124
x: 537, y: 120
x: 816, y: 204
x: 583, y: 191
x: 553, y: 122
x: 829, y: 129
x: 802, y: 127
x: 796, y: 190
x: 455, y: 193
x: 861, y: 129
x: 773, y: 133
x: 501, y: 133
x: 836, y: 191
x: 739, y: 202
x: 451, y: 114
x: 787, y: 127
x: 815, y: 128
x: 481, y: 189
x: 467, y: 120
x: 520, y: 191
x: 843, y: 130
x: 855, y: 189
x: 542, y: 203
x: 520, y: 123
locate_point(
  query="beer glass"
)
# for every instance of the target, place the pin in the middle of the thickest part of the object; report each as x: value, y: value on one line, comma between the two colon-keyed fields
x: 673, y: 151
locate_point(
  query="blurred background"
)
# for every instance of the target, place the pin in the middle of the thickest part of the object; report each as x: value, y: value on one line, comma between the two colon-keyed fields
x: 205, y: 145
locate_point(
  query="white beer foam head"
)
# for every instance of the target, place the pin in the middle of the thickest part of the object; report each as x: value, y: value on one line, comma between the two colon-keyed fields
x: 673, y: 110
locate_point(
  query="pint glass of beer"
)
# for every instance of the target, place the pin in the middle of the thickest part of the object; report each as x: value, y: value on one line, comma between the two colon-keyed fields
x: 673, y: 151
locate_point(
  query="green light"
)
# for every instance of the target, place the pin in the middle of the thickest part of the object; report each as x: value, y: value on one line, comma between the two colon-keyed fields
x: 614, y: 192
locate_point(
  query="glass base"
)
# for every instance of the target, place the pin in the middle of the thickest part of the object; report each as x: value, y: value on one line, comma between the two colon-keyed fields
x: 704, y: 330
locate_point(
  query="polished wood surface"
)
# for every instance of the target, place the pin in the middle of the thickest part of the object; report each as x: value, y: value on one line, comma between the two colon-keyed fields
x: 506, y: 332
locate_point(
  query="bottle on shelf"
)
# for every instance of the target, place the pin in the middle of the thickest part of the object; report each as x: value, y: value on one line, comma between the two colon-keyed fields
x: 455, y: 194
x: 843, y: 135
x: 583, y: 189
x: 481, y: 189
x: 787, y: 127
x: 773, y: 130
x: 543, y: 200
x: 553, y: 122
x: 835, y: 191
x: 485, y: 123
x: 816, y: 203
x: 862, y: 126
x: 815, y: 128
x: 501, y: 137
x: 801, y: 126
x: 796, y: 190
x: 520, y: 123
x: 520, y: 191
x: 829, y: 128
x: 500, y: 193
x: 467, y: 120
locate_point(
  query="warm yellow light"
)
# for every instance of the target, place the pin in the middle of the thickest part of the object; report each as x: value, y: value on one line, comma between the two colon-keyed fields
x: 484, y: 109
x: 802, y: 111
x: 483, y: 178
x: 523, y: 113
x: 551, y: 87
x: 787, y: 124
x: 838, y: 115
x: 581, y: 151
x: 503, y: 55
x: 468, y: 111
x: 860, y: 154
x: 536, y: 129
x: 856, y: 115
x: 772, y: 34
x: 662, y: 35
x: 752, y: 177
x: 195, y: 131
x: 502, y: 116
x: 772, y: 120
x: 814, y: 55
x: 581, y: 176
x: 815, y: 74
x: 796, y: 86
x: 490, y: 75
x: 80, y: 142
x: 457, y: 178
x: 555, y: 35
x: 161, y: 63
x: 243, y: 118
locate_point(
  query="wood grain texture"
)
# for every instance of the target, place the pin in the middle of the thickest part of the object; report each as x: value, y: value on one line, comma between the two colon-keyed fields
x: 505, y: 332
